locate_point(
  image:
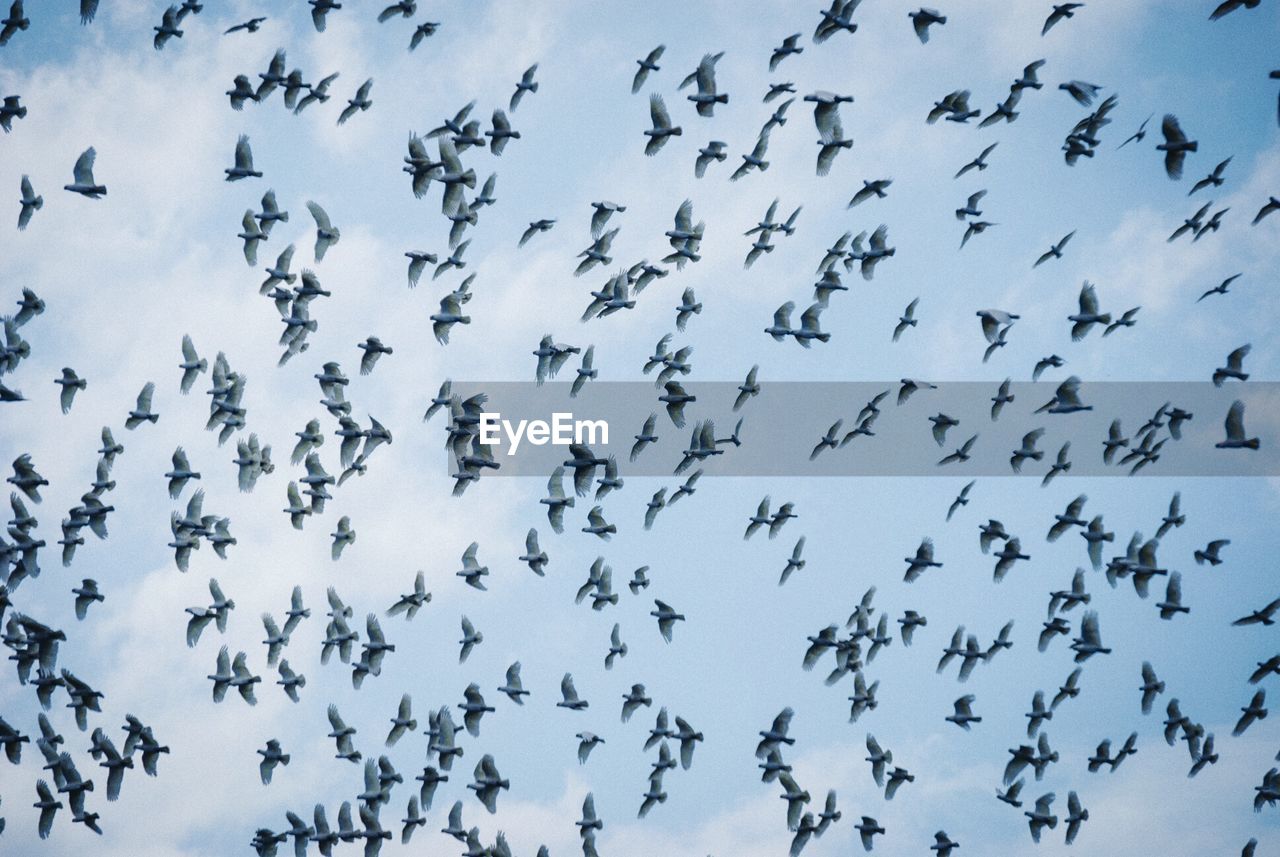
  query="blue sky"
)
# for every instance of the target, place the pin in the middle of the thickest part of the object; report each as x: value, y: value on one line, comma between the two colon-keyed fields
x: 125, y: 277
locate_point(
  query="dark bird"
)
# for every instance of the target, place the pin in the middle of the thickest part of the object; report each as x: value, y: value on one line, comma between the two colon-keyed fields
x: 1226, y: 7
x: 1234, y: 368
x: 1214, y: 179
x: 835, y: 19
x: 789, y: 46
x: 922, y: 20
x: 1055, y: 251
x: 1061, y: 12
x: 1175, y: 146
x: 1083, y: 93
x: 648, y: 64
x: 359, y: 102
x: 525, y: 84
x: 1139, y: 135
x: 14, y: 22
x: 1263, y: 616
x: 979, y: 163
x: 249, y: 26
x: 1272, y: 204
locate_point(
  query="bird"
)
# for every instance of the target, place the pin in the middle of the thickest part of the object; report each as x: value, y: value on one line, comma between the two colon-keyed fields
x: 877, y: 188
x: 534, y: 228
x: 326, y: 233
x: 168, y: 28
x: 922, y: 19
x: 1272, y: 204
x: 142, y: 412
x: 470, y: 639
x: 1211, y: 552
x: 1236, y: 435
x: 569, y: 695
x: 1089, y: 643
x: 250, y: 26
x: 1175, y: 146
x: 1234, y: 368
x: 70, y: 383
x: 1126, y: 319
x: 1226, y: 7
x: 790, y: 46
x: 667, y: 617
x: 86, y: 594
x: 358, y: 103
x: 16, y: 21
x: 713, y: 152
x: 1088, y: 316
x: 1263, y: 616
x: 243, y: 162
x: 272, y: 756
x: 1221, y: 288
x: 1214, y: 179
x: 707, y: 97
x: 84, y: 183
x: 754, y: 161
x: 963, y: 715
x: 662, y: 129
x: 648, y: 64
x: 979, y: 163
x: 1081, y: 91
x: 836, y: 19
x: 501, y: 133
x: 1139, y: 135
x: 1252, y: 713
x: 526, y: 84
x: 1055, y: 250
x: 31, y: 202
x: 1061, y: 12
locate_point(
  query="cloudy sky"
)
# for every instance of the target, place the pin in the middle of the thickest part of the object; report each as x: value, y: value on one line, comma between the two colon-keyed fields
x: 126, y: 276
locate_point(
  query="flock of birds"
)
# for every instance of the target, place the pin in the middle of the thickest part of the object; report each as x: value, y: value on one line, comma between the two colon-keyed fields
x: 853, y: 645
